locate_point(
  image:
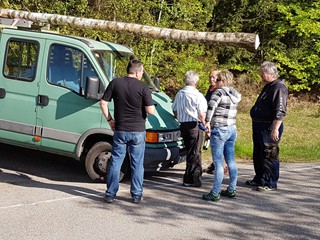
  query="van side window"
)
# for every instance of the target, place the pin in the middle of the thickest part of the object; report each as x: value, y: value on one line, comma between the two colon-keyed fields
x: 63, y: 68
x: 21, y: 60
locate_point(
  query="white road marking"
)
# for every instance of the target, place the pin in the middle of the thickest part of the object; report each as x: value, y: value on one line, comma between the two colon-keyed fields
x: 159, y: 185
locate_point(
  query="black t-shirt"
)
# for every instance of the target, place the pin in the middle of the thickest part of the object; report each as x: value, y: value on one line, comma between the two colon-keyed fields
x: 130, y: 97
x: 209, y: 93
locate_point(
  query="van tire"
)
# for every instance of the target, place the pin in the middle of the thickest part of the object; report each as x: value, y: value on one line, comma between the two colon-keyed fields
x: 97, y: 160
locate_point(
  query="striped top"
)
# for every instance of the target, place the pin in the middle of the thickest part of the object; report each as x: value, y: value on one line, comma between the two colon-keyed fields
x: 222, y: 107
x: 189, y: 103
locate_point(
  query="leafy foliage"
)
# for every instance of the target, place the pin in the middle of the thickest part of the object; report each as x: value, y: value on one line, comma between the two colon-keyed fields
x: 289, y: 32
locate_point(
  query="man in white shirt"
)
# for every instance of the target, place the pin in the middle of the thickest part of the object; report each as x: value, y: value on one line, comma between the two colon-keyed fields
x: 190, y: 107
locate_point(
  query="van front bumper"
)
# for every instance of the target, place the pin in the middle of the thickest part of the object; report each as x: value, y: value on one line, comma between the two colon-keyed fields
x: 156, y: 159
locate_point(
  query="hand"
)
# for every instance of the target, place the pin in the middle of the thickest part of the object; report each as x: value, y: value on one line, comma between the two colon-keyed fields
x: 112, y: 124
x: 208, y: 131
x: 275, y: 135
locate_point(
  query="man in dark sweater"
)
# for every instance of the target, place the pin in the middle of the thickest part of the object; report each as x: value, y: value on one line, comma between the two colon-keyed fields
x: 267, y: 115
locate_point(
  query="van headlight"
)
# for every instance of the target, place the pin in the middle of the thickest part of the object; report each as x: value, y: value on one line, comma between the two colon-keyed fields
x: 163, y: 137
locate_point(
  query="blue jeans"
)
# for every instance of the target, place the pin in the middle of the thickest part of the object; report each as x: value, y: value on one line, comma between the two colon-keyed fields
x: 135, y: 142
x: 222, y: 144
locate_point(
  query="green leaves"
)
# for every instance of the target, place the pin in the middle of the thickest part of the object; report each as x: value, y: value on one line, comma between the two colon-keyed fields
x: 289, y: 32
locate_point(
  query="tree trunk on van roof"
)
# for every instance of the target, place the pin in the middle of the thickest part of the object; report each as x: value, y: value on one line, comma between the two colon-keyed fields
x: 249, y: 41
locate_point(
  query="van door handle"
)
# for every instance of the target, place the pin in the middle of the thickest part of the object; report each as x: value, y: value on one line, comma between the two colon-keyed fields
x: 43, y: 100
x: 2, y: 93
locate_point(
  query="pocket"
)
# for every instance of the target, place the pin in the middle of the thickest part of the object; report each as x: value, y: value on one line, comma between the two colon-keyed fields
x: 139, y: 137
x: 267, y: 140
x: 220, y: 133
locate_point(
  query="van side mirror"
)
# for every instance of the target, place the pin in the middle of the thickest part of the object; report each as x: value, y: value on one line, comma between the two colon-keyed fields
x: 92, y: 88
x: 156, y: 82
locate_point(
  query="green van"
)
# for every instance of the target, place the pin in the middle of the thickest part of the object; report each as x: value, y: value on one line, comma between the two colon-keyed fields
x: 50, y: 87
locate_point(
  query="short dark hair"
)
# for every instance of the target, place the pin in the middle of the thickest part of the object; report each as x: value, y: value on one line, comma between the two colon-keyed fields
x: 134, y: 66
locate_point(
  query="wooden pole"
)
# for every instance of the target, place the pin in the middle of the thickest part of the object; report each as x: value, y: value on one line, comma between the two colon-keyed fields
x: 249, y: 41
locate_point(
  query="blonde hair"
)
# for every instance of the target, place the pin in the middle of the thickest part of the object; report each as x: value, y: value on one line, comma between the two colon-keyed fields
x: 226, y: 76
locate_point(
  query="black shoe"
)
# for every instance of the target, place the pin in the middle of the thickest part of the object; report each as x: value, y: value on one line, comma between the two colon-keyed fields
x: 137, y: 200
x: 108, y: 200
x: 197, y: 178
x: 252, y: 183
x: 186, y: 184
x: 209, y: 169
x: 227, y: 193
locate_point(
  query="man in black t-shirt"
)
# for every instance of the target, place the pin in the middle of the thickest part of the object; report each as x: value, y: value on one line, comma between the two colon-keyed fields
x: 132, y: 102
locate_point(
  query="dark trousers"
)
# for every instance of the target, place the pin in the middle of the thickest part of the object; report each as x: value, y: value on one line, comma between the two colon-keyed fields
x: 192, y: 137
x: 265, y: 154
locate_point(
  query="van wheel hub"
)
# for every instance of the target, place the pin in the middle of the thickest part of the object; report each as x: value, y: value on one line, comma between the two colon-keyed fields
x: 102, y: 161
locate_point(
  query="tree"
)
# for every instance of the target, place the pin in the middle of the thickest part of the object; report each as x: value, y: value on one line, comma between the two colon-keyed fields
x: 179, y: 15
x: 289, y: 33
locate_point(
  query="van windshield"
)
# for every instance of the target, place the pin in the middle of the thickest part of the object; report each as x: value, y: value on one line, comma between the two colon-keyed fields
x: 114, y: 64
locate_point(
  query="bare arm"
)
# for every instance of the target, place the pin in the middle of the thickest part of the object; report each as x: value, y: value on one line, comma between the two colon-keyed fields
x: 150, y: 109
x: 106, y: 114
x: 104, y: 109
x: 202, y: 117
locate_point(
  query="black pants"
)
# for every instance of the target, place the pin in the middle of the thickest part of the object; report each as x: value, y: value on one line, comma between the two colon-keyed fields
x: 265, y: 154
x: 192, y: 137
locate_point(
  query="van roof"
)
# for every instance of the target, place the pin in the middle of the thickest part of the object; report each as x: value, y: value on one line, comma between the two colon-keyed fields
x: 93, y: 44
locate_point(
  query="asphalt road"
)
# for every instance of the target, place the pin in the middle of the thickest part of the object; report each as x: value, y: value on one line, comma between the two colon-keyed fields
x: 45, y: 196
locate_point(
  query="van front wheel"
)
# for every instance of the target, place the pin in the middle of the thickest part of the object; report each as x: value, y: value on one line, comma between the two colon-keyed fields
x: 97, y: 161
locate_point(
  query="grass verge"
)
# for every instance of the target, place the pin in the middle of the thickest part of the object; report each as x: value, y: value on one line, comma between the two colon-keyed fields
x: 300, y: 140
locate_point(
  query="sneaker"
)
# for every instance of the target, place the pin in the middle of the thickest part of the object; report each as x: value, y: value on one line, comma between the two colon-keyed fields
x: 188, y: 184
x: 265, y: 189
x: 108, y: 200
x: 211, y: 197
x: 137, y: 200
x: 252, y: 183
x: 227, y: 193
x: 197, y: 178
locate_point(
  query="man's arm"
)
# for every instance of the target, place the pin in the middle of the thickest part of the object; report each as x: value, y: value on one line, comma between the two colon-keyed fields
x: 150, y: 109
x: 202, y: 117
x: 104, y: 109
x: 106, y: 114
x: 275, y: 130
x: 280, y: 106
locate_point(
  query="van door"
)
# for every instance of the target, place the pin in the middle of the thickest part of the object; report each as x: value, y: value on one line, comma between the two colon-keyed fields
x: 65, y: 114
x: 18, y: 87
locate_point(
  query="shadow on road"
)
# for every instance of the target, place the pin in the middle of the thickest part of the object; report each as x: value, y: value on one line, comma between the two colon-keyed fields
x: 42, y: 164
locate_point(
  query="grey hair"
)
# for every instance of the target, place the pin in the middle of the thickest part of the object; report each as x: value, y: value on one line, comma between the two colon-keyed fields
x: 192, y: 78
x: 270, y: 68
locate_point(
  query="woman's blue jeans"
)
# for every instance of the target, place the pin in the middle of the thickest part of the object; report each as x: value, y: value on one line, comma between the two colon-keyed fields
x: 135, y: 143
x: 222, y: 145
